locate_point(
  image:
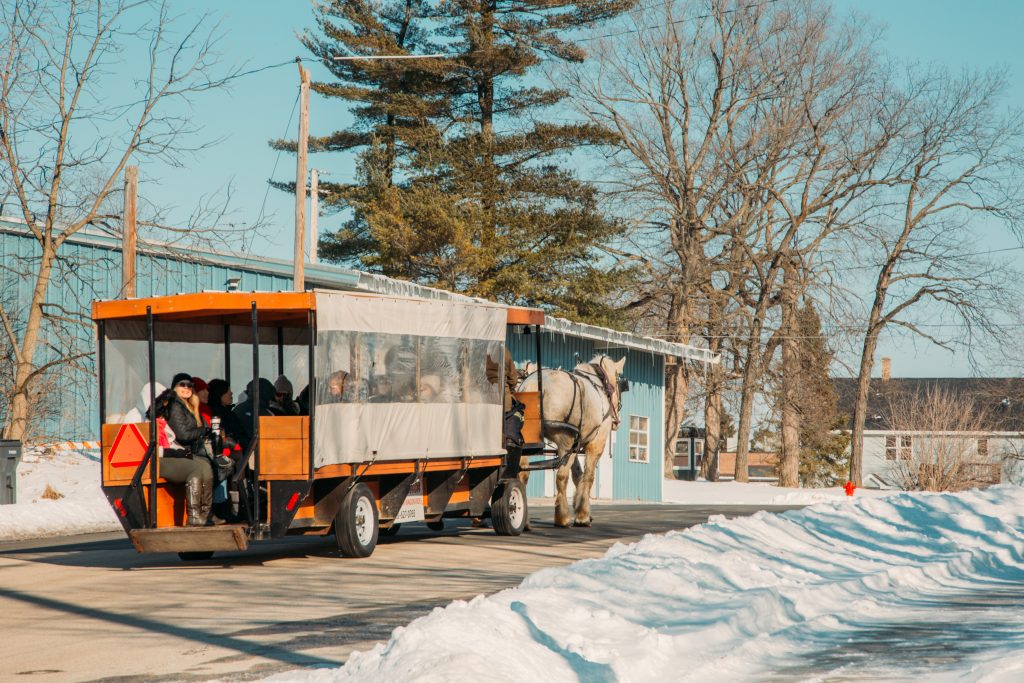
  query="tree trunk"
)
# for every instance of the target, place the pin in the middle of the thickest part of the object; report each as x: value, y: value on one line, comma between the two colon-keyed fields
x: 746, y: 414
x: 860, y: 409
x: 17, y: 423
x: 712, y: 425
x: 789, y: 459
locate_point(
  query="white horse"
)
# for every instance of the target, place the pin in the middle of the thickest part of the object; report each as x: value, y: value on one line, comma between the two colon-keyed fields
x: 581, y: 408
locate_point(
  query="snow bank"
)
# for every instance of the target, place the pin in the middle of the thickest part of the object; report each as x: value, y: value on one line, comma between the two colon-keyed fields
x: 80, y: 509
x: 886, y: 588
x: 754, y: 493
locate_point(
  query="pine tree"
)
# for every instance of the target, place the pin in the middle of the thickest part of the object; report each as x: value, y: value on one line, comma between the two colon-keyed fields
x: 824, y: 459
x: 465, y: 188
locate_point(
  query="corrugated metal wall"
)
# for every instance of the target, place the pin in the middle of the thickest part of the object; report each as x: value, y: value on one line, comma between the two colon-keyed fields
x: 89, y: 271
x: 646, y: 375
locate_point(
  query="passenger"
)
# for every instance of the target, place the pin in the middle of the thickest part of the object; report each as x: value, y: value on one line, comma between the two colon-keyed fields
x: 141, y: 409
x: 225, y: 493
x: 244, y: 411
x: 189, y: 463
x: 430, y: 389
x: 400, y: 365
x: 382, y: 390
x: 283, y: 403
x: 303, y: 401
x: 336, y: 387
x: 202, y: 392
x: 221, y: 407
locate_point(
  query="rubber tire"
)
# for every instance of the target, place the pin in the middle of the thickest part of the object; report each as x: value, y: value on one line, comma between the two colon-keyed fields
x: 436, y: 526
x: 346, y: 524
x: 508, y: 504
x: 390, y: 531
x: 195, y: 555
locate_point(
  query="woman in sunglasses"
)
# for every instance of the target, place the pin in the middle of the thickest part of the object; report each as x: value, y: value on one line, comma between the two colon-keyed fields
x: 186, y: 460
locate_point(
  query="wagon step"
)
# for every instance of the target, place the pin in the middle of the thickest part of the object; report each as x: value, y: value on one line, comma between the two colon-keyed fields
x: 190, y: 539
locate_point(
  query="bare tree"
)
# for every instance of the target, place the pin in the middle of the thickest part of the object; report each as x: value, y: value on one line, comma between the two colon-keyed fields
x: 960, y: 161
x: 746, y: 130
x: 937, y: 447
x: 66, y: 137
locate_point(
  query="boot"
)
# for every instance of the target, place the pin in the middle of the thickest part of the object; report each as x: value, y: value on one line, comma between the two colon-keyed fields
x: 206, y: 501
x: 194, y: 502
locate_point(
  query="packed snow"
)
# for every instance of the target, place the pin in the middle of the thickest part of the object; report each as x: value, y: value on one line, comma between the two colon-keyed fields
x: 753, y: 493
x: 75, y: 503
x: 888, y: 588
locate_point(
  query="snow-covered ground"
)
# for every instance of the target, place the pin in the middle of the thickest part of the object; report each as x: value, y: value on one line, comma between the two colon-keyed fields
x: 756, y: 493
x: 81, y: 508
x: 902, y: 587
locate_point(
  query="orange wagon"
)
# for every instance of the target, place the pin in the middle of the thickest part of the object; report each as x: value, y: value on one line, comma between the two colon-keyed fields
x: 416, y: 436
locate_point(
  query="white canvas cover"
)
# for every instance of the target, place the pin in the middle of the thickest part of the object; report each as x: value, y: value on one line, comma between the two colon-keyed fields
x: 406, y: 378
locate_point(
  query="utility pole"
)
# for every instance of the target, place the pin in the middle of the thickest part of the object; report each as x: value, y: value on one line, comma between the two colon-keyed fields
x: 129, y: 224
x: 300, y: 182
x: 314, y: 212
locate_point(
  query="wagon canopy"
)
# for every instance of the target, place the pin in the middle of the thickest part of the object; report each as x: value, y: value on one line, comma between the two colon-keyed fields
x: 406, y: 378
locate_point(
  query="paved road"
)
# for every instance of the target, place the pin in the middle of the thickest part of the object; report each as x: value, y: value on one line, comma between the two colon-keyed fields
x: 92, y: 609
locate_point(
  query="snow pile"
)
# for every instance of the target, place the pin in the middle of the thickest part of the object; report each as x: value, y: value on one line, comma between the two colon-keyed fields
x: 753, y: 493
x: 80, y: 509
x: 886, y: 588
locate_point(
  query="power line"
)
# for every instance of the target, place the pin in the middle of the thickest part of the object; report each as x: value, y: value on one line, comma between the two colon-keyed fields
x: 277, y: 159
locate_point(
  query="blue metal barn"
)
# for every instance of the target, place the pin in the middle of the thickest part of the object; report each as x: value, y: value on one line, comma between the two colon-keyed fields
x: 90, y: 268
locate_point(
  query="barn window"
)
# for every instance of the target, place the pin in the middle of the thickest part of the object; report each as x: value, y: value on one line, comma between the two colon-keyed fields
x: 638, y: 438
x: 899, y: 447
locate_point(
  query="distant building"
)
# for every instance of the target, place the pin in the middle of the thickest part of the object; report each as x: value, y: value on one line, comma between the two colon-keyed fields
x: 994, y: 451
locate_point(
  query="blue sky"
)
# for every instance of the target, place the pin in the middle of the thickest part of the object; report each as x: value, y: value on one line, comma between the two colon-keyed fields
x: 257, y: 108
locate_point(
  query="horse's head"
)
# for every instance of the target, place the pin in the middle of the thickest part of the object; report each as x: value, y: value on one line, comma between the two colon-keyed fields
x: 612, y: 369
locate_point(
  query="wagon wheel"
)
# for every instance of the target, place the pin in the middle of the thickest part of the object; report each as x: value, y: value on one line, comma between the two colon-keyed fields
x: 356, y: 524
x: 436, y: 526
x: 508, y: 508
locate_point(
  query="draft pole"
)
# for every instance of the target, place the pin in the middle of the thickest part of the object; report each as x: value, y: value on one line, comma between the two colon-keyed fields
x: 129, y: 226
x: 314, y: 212
x: 300, y: 182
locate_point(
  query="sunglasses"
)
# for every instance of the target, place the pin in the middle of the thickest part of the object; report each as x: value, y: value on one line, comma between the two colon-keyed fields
x: 185, y: 384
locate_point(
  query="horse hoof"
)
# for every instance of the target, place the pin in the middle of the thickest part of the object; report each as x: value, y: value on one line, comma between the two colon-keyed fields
x: 562, y: 525
x: 586, y: 523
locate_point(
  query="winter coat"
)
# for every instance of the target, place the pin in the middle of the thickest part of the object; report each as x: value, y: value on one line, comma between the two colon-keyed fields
x: 181, y: 421
x: 244, y: 410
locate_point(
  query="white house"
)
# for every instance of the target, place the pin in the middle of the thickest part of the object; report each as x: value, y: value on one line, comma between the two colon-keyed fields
x: 896, y: 440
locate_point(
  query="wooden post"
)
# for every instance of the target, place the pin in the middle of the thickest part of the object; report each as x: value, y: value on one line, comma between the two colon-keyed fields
x: 129, y: 224
x: 314, y: 212
x: 300, y: 182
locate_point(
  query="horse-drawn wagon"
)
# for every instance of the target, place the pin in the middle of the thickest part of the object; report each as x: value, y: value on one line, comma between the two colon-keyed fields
x: 414, y: 434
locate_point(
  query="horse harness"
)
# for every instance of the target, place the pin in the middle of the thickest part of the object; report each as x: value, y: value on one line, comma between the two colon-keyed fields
x: 599, y: 380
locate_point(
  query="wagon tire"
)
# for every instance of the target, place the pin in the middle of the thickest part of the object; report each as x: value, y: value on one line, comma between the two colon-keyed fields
x: 390, y: 531
x: 195, y: 555
x: 436, y: 526
x: 356, y: 525
x: 509, y: 512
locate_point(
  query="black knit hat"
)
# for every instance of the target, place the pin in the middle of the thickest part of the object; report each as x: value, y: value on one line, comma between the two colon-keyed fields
x: 180, y: 377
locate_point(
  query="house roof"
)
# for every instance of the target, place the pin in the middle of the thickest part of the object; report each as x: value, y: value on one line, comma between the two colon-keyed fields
x: 998, y: 401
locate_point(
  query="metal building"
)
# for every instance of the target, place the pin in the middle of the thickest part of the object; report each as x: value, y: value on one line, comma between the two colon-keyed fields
x: 90, y: 268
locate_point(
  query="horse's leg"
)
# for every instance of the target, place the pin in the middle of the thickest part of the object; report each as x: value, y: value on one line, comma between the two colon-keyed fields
x: 524, y: 477
x: 592, y: 452
x: 561, y: 500
x: 577, y: 471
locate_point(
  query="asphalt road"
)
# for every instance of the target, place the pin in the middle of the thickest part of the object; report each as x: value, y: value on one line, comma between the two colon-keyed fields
x: 92, y: 609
